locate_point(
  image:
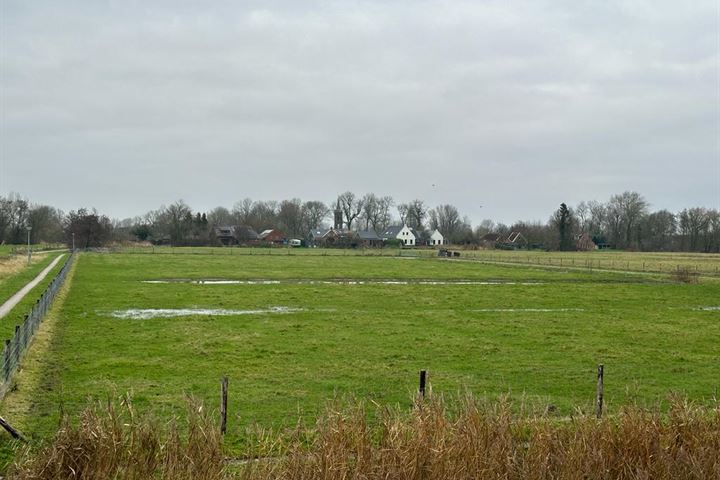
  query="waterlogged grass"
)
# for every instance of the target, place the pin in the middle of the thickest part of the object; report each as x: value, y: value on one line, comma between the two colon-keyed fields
x: 536, y: 334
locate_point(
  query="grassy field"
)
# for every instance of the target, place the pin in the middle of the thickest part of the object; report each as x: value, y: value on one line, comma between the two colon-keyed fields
x: 650, y: 262
x: 296, y: 330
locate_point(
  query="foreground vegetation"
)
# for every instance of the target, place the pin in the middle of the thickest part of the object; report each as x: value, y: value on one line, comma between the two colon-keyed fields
x: 535, y: 334
x: 471, y: 440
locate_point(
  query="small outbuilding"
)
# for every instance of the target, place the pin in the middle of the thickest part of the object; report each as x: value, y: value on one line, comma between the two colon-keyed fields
x: 403, y: 233
x: 273, y: 236
x: 436, y: 238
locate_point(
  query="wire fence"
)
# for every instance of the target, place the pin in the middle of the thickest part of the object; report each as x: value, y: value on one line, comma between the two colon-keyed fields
x: 16, y: 346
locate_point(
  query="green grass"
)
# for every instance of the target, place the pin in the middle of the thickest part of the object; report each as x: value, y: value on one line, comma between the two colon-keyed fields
x: 369, y: 341
x: 10, y: 286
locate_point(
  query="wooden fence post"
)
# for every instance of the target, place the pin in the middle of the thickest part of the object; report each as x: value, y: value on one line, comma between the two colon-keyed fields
x: 423, y: 377
x: 223, y: 404
x: 599, y: 394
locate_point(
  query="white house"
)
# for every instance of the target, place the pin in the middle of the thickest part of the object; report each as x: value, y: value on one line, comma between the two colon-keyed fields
x: 403, y: 233
x: 436, y: 238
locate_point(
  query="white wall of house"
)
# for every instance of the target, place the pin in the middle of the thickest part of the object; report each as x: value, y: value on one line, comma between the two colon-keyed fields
x: 437, y: 238
x: 406, y: 236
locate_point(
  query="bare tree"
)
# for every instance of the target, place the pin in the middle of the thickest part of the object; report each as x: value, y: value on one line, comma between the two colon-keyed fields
x: 376, y: 211
x: 413, y: 213
x: 632, y: 207
x: 446, y: 219
x: 350, y: 206
x: 694, y: 225
x: 314, y: 212
x: 290, y: 217
x: 242, y: 211
x: 220, y: 216
x: 658, y: 230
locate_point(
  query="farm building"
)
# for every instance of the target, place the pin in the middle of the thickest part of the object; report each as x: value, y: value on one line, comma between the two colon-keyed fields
x: 369, y: 238
x: 332, y: 237
x: 405, y: 234
x: 515, y: 241
x: 436, y: 238
x: 272, y: 236
x: 246, y: 235
x: 226, y: 234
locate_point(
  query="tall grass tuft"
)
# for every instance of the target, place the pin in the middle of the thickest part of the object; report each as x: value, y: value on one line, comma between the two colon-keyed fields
x: 111, y: 442
x: 491, y: 442
x: 475, y: 441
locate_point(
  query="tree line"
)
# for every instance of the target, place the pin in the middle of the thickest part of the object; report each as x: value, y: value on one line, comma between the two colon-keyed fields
x: 624, y: 221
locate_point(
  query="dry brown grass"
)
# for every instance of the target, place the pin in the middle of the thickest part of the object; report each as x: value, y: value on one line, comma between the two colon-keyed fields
x: 110, y: 442
x: 477, y: 442
x: 684, y: 275
x: 12, y: 264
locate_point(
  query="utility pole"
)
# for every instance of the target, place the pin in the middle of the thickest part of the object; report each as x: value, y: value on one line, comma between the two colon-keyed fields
x: 28, y: 248
x: 73, y: 238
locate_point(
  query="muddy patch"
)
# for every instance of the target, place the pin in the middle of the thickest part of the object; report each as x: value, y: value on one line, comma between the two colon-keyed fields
x: 336, y: 282
x: 150, y: 313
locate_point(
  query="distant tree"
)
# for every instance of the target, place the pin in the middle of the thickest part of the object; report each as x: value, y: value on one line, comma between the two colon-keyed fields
x: 694, y: 225
x: 290, y: 217
x: 657, y: 231
x: 563, y: 221
x: 446, y: 219
x: 413, y: 213
x: 46, y: 223
x: 141, y: 231
x: 628, y: 208
x: 220, y: 216
x: 263, y: 215
x: 314, y: 213
x: 376, y: 212
x: 176, y: 221
x: 351, y: 206
x: 14, y: 212
x: 90, y: 228
x: 242, y: 211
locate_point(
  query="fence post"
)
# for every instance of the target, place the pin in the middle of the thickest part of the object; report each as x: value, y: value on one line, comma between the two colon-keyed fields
x: 599, y: 393
x: 223, y: 404
x: 6, y: 360
x: 423, y: 377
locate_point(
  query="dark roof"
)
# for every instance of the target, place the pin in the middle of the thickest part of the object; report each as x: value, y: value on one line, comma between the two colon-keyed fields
x: 245, y: 232
x: 368, y: 235
x: 225, y: 231
x: 392, y: 231
x: 319, y: 233
x: 418, y: 235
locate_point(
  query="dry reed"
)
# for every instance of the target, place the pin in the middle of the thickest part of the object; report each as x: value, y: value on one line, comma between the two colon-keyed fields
x: 477, y: 442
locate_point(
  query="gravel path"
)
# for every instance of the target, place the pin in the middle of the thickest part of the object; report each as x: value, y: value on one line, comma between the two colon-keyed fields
x: 15, y: 299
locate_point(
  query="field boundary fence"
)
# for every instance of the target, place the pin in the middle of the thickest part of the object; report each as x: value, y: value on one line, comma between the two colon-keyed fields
x: 15, y: 347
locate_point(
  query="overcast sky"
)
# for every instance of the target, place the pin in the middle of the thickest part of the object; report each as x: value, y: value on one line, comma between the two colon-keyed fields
x: 503, y: 108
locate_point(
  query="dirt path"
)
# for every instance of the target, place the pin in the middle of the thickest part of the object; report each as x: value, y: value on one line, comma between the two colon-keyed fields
x: 15, y: 299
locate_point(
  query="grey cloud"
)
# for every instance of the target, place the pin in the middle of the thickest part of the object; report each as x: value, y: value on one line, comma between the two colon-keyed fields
x: 516, y: 106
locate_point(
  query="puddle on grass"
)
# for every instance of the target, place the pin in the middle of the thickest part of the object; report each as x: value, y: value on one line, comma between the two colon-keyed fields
x: 529, y: 310
x: 149, y: 313
x: 339, y: 282
x: 709, y: 309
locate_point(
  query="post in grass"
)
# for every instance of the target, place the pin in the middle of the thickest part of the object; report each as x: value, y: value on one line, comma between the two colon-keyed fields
x: 423, y: 378
x: 599, y: 392
x: 223, y: 404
